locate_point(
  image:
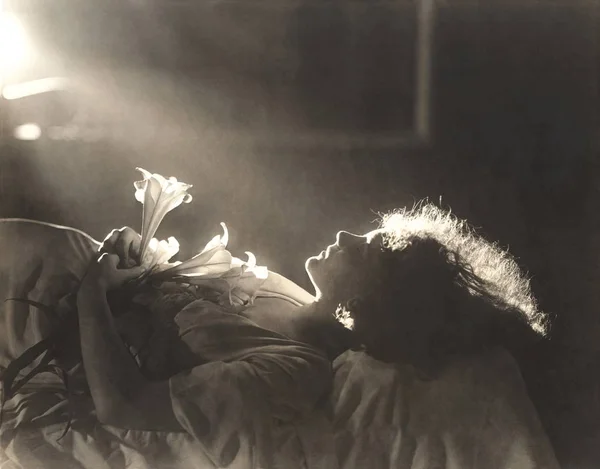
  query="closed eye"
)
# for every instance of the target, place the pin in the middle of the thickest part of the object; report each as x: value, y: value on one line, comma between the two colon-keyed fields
x: 356, y: 252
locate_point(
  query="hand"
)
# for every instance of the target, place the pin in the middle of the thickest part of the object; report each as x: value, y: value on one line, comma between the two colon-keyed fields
x: 105, y: 273
x: 125, y: 243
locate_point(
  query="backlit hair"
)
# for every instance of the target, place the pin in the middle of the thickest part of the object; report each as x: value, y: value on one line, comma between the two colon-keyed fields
x: 483, y: 268
x: 441, y: 290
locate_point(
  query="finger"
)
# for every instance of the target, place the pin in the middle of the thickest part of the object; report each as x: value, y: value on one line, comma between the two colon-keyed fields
x: 127, y: 275
x: 129, y: 246
x: 110, y: 241
x: 122, y: 249
x: 134, y: 241
x: 109, y: 259
x: 135, y: 246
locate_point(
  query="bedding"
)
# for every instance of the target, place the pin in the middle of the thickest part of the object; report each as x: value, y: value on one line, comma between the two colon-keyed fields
x: 476, y: 415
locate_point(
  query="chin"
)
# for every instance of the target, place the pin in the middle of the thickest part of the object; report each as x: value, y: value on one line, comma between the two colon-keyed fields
x: 311, y: 263
x: 309, y: 266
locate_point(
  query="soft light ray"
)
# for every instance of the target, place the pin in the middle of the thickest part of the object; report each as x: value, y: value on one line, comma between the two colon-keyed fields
x: 31, y: 88
x: 15, y: 46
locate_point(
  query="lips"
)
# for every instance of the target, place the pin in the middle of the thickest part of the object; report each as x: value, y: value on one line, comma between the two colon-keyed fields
x: 327, y: 252
x: 330, y: 250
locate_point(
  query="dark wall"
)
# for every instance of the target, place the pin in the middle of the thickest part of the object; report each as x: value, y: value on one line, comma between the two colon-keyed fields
x: 515, y: 119
x: 519, y: 104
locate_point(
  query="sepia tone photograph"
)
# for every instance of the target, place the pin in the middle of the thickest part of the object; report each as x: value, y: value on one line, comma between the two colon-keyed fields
x: 299, y: 234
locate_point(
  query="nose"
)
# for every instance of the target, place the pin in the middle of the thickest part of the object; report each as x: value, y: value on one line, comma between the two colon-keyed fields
x: 344, y: 239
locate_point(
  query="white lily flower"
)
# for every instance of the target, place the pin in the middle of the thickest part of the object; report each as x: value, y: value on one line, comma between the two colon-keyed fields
x: 159, y: 253
x: 159, y: 196
x: 215, y: 268
x: 212, y: 262
x: 235, y: 281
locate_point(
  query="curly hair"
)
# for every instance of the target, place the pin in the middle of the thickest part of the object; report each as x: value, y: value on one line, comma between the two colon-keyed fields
x: 487, y: 269
x: 432, y: 259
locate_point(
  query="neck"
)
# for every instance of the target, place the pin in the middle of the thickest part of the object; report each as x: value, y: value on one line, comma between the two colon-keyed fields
x: 316, y: 325
x: 313, y: 323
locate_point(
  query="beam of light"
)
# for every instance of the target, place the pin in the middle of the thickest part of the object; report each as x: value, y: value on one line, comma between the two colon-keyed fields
x: 30, y: 88
x: 27, y: 132
x: 15, y: 46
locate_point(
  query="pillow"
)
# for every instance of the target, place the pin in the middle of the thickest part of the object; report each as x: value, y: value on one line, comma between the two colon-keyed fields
x: 39, y: 262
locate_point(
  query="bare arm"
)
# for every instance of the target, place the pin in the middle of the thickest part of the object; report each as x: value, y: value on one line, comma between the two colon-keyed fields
x: 123, y: 397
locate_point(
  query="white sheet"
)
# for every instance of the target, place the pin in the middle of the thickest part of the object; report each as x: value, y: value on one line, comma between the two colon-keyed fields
x: 475, y: 415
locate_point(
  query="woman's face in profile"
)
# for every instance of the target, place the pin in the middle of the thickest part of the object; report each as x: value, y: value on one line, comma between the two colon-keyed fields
x: 342, y: 270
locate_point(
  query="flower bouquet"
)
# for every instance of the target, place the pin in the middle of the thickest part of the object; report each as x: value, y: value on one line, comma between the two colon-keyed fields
x: 213, y: 272
x: 214, y: 269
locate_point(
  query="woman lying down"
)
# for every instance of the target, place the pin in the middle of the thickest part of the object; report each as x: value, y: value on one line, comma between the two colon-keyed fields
x: 424, y: 320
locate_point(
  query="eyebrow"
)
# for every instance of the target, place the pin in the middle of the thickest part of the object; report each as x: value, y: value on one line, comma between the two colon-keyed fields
x: 359, y: 252
x: 373, y: 235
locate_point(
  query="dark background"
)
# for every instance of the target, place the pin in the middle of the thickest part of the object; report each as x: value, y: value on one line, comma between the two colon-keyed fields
x: 295, y: 121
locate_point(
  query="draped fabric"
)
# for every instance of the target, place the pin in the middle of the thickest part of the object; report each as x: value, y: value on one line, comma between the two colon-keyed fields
x: 246, y: 403
x: 475, y: 415
x: 41, y: 262
x: 252, y: 401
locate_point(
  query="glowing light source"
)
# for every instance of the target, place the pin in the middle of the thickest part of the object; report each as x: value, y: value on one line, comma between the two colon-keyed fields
x: 28, y: 132
x: 15, y: 47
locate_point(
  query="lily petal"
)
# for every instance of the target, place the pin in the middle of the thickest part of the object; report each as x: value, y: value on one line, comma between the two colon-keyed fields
x: 159, y: 196
x: 214, y: 258
x: 214, y: 263
x: 251, y: 262
x: 166, y: 250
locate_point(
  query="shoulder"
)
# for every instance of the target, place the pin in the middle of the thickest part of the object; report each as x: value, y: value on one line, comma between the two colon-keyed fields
x: 202, y: 312
x: 466, y: 391
x: 498, y: 369
x: 492, y: 372
x: 485, y: 384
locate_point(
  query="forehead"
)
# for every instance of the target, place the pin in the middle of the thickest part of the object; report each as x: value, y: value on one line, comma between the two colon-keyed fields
x: 363, y: 260
x: 375, y: 237
x: 367, y: 248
